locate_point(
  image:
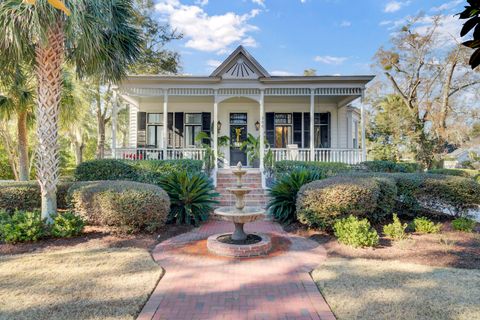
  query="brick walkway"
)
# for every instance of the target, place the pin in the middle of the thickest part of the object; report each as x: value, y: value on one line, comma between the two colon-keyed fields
x: 197, y: 285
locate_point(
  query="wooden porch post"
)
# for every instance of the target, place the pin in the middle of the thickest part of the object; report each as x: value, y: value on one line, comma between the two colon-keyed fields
x: 364, y: 146
x: 215, y: 129
x: 312, y: 125
x: 165, y: 123
x: 262, y: 133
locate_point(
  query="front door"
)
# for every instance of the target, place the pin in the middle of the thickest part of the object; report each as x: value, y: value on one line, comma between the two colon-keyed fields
x: 238, y: 134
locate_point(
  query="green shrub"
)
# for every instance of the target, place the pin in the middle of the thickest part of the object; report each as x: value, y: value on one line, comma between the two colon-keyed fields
x: 22, y: 226
x: 356, y: 233
x: 425, y: 225
x: 26, y: 196
x: 67, y: 225
x: 283, y: 194
x: 326, y: 169
x: 106, y: 169
x: 319, y: 203
x: 152, y: 171
x: 127, y: 205
x: 395, y: 230
x: 390, y: 166
x: 464, y: 224
x: 192, y: 197
x: 466, y: 173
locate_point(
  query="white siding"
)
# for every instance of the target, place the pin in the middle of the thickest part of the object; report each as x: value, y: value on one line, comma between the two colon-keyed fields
x: 132, y: 127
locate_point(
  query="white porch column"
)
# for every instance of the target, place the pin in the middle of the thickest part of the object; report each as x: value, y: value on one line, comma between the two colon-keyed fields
x: 215, y: 129
x: 262, y: 132
x: 114, y: 124
x: 312, y: 125
x: 165, y: 123
x: 364, y: 146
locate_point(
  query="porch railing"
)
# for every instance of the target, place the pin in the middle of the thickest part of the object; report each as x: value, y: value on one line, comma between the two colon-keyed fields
x: 349, y: 156
x: 158, y: 154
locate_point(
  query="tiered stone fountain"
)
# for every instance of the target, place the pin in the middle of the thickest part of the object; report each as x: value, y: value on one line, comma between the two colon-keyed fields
x: 238, y: 243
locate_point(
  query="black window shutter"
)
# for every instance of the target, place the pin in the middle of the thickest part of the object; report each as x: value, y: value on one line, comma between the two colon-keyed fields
x: 270, y: 128
x: 206, y: 125
x: 141, y: 121
x: 297, y: 129
x: 306, y: 130
x: 178, y: 129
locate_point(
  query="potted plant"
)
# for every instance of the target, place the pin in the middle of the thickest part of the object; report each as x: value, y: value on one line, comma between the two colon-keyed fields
x: 206, y: 143
x: 252, y: 147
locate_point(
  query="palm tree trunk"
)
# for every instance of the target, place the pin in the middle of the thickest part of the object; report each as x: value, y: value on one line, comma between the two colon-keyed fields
x: 22, y: 132
x: 49, y: 58
x: 78, y: 146
x: 100, y: 153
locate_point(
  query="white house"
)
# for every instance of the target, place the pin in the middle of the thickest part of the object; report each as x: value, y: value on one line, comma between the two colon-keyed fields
x: 307, y: 118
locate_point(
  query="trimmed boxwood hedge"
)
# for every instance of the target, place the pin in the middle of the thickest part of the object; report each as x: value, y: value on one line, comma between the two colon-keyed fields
x: 390, y: 166
x: 320, y: 203
x: 325, y: 169
x: 129, y: 206
x: 147, y: 171
x: 466, y: 173
x: 371, y: 194
x: 26, y: 196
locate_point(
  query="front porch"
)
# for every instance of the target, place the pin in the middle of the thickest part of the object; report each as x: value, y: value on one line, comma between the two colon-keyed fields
x: 348, y: 156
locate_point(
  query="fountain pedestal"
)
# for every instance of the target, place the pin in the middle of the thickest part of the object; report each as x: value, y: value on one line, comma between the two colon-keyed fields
x: 237, y: 244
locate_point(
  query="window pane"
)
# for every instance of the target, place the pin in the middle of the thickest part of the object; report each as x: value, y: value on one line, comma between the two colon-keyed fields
x: 193, y: 118
x: 190, y: 133
x: 321, y: 118
x: 151, y: 136
x: 238, y: 118
x: 283, y: 136
x: 283, y: 118
x: 155, y: 118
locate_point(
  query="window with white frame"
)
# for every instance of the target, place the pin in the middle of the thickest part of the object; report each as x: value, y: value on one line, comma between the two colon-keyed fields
x: 322, y: 130
x: 193, y: 126
x: 283, y: 130
x: 155, y: 137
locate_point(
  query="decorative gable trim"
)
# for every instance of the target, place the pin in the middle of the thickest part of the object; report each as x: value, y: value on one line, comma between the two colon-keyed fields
x: 240, y: 64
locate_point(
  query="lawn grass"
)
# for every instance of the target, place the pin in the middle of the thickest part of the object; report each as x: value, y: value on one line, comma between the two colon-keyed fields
x: 376, y: 289
x: 77, y: 283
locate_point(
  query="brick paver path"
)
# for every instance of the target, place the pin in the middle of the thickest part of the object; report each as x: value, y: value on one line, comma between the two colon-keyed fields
x: 201, y: 286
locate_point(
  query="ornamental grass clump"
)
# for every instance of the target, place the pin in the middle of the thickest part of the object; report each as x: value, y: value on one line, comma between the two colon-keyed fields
x: 464, y: 224
x: 395, y: 230
x: 192, y: 197
x: 356, y: 233
x: 283, y: 194
x: 425, y: 225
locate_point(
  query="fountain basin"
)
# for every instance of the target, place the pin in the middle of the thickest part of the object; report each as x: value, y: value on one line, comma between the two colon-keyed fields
x: 245, y: 215
x: 260, y: 248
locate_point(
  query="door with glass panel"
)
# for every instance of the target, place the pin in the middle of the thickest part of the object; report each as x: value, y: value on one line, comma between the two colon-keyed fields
x: 283, y: 130
x: 238, y: 134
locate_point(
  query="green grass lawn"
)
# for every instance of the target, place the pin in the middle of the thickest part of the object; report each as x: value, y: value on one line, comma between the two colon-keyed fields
x: 376, y: 289
x: 77, y: 283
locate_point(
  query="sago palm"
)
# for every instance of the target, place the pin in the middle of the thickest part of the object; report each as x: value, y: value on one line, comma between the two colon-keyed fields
x: 98, y: 37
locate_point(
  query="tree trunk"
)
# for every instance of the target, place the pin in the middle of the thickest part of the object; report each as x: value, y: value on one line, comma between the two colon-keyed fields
x: 22, y: 132
x: 100, y: 153
x: 48, y: 70
x: 78, y: 146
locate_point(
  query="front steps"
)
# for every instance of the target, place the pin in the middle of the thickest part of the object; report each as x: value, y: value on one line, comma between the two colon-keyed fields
x: 258, y: 197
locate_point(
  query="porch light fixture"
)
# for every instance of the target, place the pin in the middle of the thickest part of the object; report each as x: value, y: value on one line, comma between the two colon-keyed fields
x: 257, y: 125
x: 219, y: 126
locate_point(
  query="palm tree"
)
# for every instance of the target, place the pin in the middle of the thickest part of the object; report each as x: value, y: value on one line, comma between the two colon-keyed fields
x: 17, y: 99
x: 98, y: 38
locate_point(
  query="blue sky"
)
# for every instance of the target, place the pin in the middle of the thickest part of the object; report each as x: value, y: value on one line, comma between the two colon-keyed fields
x: 288, y: 36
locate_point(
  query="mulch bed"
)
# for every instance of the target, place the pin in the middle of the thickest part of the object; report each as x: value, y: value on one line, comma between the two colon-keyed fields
x: 446, y: 249
x: 98, y: 237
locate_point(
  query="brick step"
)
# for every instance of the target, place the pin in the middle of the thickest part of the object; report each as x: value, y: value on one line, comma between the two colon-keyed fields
x: 243, y: 181
x: 252, y: 191
x: 249, y: 197
x: 232, y: 185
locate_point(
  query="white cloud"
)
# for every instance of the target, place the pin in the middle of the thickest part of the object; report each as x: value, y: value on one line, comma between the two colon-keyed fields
x: 201, y: 2
x: 303, y: 1
x: 345, y: 24
x: 447, y: 5
x: 213, y: 63
x: 330, y: 59
x: 210, y: 33
x: 281, y: 73
x: 448, y: 30
x: 259, y: 2
x: 394, y: 6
